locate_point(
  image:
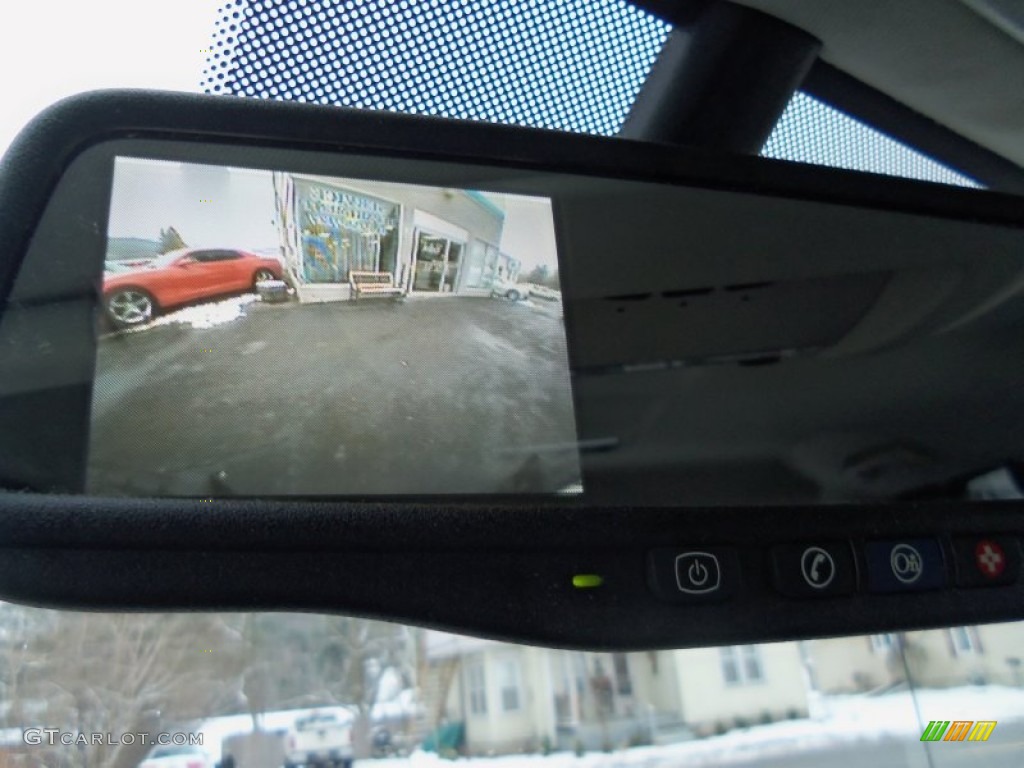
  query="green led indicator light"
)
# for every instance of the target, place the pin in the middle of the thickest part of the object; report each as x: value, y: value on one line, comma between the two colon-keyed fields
x: 587, y: 580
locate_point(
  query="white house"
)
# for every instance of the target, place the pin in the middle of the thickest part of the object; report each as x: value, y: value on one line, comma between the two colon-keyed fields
x: 512, y: 698
x: 935, y: 658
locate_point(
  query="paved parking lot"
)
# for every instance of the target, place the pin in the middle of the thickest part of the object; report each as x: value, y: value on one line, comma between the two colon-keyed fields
x: 425, y: 395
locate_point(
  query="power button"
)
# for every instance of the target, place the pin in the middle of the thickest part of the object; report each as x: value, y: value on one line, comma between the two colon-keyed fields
x: 698, y: 574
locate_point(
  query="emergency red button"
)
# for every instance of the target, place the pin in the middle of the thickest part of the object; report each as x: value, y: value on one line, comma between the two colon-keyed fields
x: 991, y: 559
x: 986, y: 561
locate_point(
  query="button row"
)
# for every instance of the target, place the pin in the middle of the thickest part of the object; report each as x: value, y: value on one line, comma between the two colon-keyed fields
x: 829, y: 568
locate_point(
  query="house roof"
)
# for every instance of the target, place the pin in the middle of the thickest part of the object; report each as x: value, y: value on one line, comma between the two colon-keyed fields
x: 442, y: 645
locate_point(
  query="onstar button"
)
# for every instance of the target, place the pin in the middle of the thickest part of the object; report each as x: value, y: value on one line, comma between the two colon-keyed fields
x: 908, y: 565
x: 986, y: 561
x: 697, y: 574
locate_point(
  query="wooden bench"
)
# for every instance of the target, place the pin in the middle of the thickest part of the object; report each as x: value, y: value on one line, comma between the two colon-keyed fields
x: 373, y: 284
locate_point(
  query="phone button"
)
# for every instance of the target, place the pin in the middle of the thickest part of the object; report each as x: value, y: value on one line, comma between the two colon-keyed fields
x: 814, y: 569
x: 698, y: 574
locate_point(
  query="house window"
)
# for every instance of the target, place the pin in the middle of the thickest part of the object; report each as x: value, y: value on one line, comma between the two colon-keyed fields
x: 508, y: 672
x: 730, y: 666
x: 741, y: 664
x: 882, y: 643
x: 476, y: 682
x: 964, y: 640
x: 752, y: 669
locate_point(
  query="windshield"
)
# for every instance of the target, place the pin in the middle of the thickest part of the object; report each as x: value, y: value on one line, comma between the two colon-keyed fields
x: 166, y: 259
x: 101, y: 690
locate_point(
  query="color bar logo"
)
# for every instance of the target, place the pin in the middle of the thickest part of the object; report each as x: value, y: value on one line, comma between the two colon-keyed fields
x: 958, y: 730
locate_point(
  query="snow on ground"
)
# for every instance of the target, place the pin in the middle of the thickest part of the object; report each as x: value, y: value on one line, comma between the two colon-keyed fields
x: 844, y: 720
x: 894, y: 714
x: 839, y: 720
x: 220, y: 312
x: 204, y: 315
x: 402, y: 704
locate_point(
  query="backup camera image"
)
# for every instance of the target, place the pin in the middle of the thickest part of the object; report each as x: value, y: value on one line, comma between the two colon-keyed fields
x: 273, y: 333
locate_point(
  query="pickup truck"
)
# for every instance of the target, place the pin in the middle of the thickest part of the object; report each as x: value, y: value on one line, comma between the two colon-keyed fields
x: 320, y: 740
x: 177, y: 756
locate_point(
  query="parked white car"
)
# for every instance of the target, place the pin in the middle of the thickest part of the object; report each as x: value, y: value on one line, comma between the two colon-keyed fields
x: 177, y: 756
x: 319, y: 740
x: 543, y: 292
x: 509, y: 290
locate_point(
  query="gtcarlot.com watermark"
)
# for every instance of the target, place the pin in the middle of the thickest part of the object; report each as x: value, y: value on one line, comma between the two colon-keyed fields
x: 53, y: 737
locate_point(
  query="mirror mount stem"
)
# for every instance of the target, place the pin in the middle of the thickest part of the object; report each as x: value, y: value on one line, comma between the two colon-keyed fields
x: 722, y: 79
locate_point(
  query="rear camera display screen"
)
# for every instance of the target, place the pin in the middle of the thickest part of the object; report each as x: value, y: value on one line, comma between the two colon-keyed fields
x: 269, y: 333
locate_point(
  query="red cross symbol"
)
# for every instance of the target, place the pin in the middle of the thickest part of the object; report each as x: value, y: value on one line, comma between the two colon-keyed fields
x: 990, y: 558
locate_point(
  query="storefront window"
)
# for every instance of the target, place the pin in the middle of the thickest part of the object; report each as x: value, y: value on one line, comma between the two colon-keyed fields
x: 481, y: 265
x: 438, y: 260
x: 344, y: 231
x: 430, y: 259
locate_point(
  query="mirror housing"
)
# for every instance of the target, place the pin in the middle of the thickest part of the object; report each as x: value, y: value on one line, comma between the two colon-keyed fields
x: 896, y: 261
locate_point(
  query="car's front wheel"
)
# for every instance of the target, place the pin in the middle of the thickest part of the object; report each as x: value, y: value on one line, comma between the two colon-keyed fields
x: 262, y: 275
x: 129, y: 307
x: 513, y: 295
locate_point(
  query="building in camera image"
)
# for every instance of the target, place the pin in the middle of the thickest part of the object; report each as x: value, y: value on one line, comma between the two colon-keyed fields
x: 423, y: 240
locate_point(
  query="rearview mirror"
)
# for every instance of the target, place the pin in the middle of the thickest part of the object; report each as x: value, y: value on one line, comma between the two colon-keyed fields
x: 509, y: 336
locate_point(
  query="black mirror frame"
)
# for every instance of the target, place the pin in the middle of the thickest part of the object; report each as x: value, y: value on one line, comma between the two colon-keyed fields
x: 501, y: 568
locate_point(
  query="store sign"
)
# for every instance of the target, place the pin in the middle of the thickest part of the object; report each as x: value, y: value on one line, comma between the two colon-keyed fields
x: 338, y: 209
x: 431, y: 248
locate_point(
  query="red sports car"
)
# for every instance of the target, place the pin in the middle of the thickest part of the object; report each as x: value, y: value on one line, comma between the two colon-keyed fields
x: 179, y: 277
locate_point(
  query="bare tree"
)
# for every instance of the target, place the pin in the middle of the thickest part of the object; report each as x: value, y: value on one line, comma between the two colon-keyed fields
x: 298, y: 661
x: 354, y: 659
x: 129, y: 673
x: 170, y: 240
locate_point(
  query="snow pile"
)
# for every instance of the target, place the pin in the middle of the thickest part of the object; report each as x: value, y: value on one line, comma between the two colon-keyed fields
x: 845, y: 720
x: 402, y: 705
x: 893, y: 714
x: 205, y: 315
x: 11, y: 737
